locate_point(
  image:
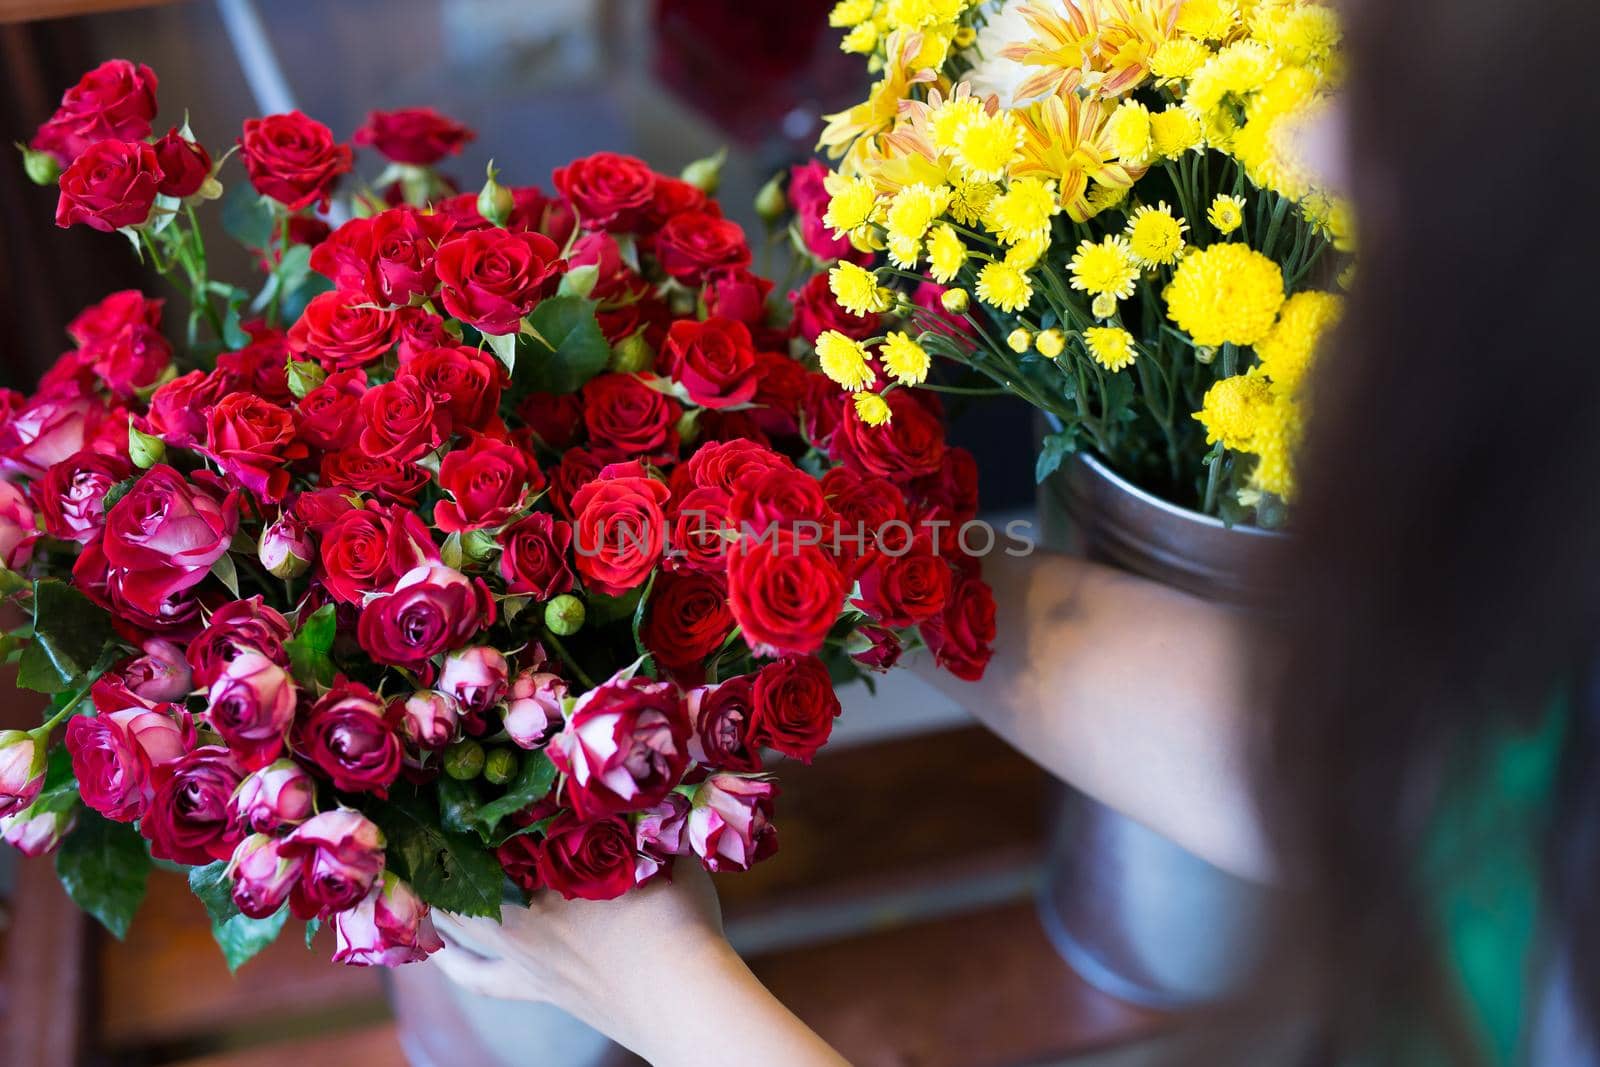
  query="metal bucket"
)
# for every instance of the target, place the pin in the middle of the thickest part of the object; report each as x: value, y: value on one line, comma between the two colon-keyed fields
x: 1136, y: 915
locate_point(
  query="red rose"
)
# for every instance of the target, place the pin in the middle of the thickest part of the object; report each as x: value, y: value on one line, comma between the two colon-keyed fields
x: 401, y: 422
x: 615, y: 281
x: 389, y: 480
x: 252, y: 705
x: 343, y: 855
x: 909, y: 446
x: 342, y: 332
x: 115, y: 100
x: 386, y: 259
x: 620, y: 528
x: 321, y: 508
x: 165, y: 534
x: 365, y: 550
x: 876, y: 648
x: 673, y: 197
x: 185, y: 165
x: 463, y: 381
x: 624, y: 747
x: 491, y: 278
x: 260, y: 367
x: 780, y: 392
x: 252, y: 440
x: 627, y: 419
x: 419, y: 331
x: 293, y: 159
x: 785, y: 595
x: 952, y: 490
x: 809, y: 198
x: 962, y: 638
x: 867, y: 507
x: 100, y: 322
x: 237, y: 627
x: 739, y: 295
x: 555, y: 419
x: 111, y: 185
x: 116, y: 753
x: 726, y: 465
x: 607, y: 190
x: 781, y: 500
x: 326, y: 417
x: 702, y: 528
x: 795, y: 706
x: 577, y: 468
x: 534, y: 560
x: 416, y: 135
x: 349, y: 737
x: 71, y: 496
x: 519, y: 858
x: 593, y: 860
x: 722, y: 715
x: 686, y: 620
x: 821, y: 410
x: 121, y: 340
x: 693, y: 244
x: 178, y: 409
x: 730, y: 822
x: 713, y: 360
x: 904, y: 582
x: 488, y: 480
x: 190, y: 819
x: 431, y: 610
x: 817, y: 310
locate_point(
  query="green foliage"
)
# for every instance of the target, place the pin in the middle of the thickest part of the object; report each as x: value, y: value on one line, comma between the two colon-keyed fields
x: 533, y: 782
x: 104, y: 867
x: 247, y: 217
x: 1053, y: 450
x: 70, y: 639
x: 449, y: 870
x: 310, y: 649
x: 567, y: 348
x: 239, y: 936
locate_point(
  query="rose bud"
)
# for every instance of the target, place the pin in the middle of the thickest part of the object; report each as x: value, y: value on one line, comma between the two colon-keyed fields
x: 494, y: 200
x: 428, y: 718
x: 624, y: 748
x: 658, y: 833
x: 37, y: 833
x: 40, y: 167
x: 730, y: 825
x: 348, y: 736
x: 262, y: 875
x: 874, y: 647
x: 500, y: 766
x: 343, y: 850
x: 18, y: 529
x: 276, y: 797
x: 286, y: 548
x: 464, y: 760
x: 21, y: 770
x: 721, y: 715
x: 252, y: 706
x: 476, y: 677
x: 564, y: 615
x: 162, y: 674
x: 533, y: 707
x: 389, y: 926
x: 185, y: 165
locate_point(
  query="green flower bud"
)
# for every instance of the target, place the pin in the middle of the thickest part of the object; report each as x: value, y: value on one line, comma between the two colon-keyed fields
x: 706, y: 174
x: 579, y: 281
x: 145, y: 451
x: 464, y: 760
x: 494, y: 200
x: 501, y: 766
x: 564, y: 615
x: 632, y: 354
x: 41, y: 167
x: 772, y: 203
x: 304, y: 376
x: 689, y: 426
x: 478, y: 545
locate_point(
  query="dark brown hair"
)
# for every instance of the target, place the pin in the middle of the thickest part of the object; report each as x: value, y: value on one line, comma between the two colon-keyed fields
x: 1446, y: 581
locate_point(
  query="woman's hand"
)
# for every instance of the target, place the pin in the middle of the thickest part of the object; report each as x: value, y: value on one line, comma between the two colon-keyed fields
x: 651, y: 970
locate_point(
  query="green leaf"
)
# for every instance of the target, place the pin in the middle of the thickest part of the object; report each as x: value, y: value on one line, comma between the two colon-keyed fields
x: 638, y: 615
x: 567, y: 348
x: 504, y: 345
x: 247, y: 217
x: 309, y: 648
x: 70, y: 636
x: 103, y: 866
x: 227, y: 573
x: 312, y: 926
x: 532, y: 783
x: 448, y: 870
x: 1053, y: 450
x: 239, y: 936
x: 458, y: 803
x: 601, y: 609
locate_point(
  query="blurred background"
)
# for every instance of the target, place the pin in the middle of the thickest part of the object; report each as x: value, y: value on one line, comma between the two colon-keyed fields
x: 897, y: 918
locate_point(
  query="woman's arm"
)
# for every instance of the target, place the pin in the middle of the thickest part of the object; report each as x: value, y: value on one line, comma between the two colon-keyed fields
x: 650, y: 970
x: 1131, y: 691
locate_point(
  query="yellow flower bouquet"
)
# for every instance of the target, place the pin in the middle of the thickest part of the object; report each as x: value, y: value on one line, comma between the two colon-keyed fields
x: 1109, y: 190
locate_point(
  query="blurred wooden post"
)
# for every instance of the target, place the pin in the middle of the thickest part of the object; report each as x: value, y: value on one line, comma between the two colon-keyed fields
x: 28, y: 10
x: 43, y: 986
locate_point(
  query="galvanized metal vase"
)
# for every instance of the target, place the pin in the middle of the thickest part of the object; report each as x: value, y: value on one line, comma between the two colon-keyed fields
x: 1136, y: 915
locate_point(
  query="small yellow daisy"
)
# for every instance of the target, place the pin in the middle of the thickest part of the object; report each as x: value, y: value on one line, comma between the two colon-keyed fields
x: 844, y: 361
x: 954, y: 301
x: 969, y: 200
x: 852, y: 204
x: 850, y: 13
x: 1003, y: 286
x: 946, y: 254
x: 904, y: 360
x: 857, y: 289
x: 872, y: 409
x: 1050, y: 343
x: 1174, y: 132
x: 1107, y: 267
x: 1177, y: 59
x: 913, y: 210
x: 1023, y: 210
x: 1110, y: 346
x: 1155, y: 236
x: 1226, y: 213
x: 1019, y: 340
x: 861, y: 40
x: 986, y: 145
x: 1128, y: 131
x: 1103, y: 306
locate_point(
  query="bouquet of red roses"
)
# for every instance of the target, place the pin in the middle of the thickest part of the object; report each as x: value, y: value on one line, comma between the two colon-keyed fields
x: 489, y: 546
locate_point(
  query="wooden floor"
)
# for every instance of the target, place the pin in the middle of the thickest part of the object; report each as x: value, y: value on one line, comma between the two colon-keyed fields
x: 894, y: 919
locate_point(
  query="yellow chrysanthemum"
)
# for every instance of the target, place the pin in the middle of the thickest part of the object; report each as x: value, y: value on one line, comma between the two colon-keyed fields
x: 1107, y: 267
x: 857, y: 289
x: 861, y: 40
x: 915, y: 14
x: 1024, y: 210
x: 1103, y: 198
x: 844, y: 361
x: 1003, y: 286
x: 1302, y: 35
x: 954, y: 301
x: 947, y: 254
x: 1019, y: 340
x: 1155, y: 236
x: 1129, y: 134
x: 986, y: 145
x: 1225, y: 294
x: 1050, y: 343
x: 1103, y: 306
x: 872, y: 409
x: 1173, y: 132
x: 1277, y: 436
x: 1238, y: 70
x: 1287, y: 350
x: 913, y: 210
x: 903, y: 359
x: 848, y: 13
x: 1226, y: 213
x: 970, y: 200
x: 1177, y: 59
x: 904, y: 252
x: 1209, y: 20
x: 946, y: 120
x: 1234, y: 410
x: 1110, y: 346
x: 1025, y: 254
x: 852, y: 203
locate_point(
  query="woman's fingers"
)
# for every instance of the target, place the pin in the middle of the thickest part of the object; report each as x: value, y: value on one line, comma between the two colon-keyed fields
x: 485, y: 977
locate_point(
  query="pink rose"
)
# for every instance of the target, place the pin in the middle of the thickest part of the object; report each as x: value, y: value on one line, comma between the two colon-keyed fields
x: 476, y: 677
x: 722, y: 716
x: 238, y: 627
x: 389, y: 926
x: 252, y: 705
x: 21, y: 770
x: 36, y: 833
x: 161, y: 674
x: 49, y: 430
x: 18, y: 528
x: 263, y: 877
x: 71, y: 496
x: 533, y: 710
x: 428, y: 718
x: 348, y: 736
x: 166, y: 533
x: 659, y: 832
x: 118, y: 753
x: 730, y: 825
x: 286, y: 548
x: 343, y: 850
x: 190, y: 818
x: 624, y: 748
x: 276, y: 797
x: 431, y: 610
